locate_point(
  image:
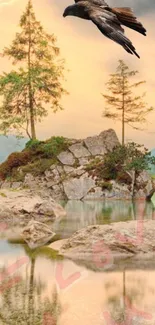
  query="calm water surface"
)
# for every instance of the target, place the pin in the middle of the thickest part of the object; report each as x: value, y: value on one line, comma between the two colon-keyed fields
x: 40, y: 288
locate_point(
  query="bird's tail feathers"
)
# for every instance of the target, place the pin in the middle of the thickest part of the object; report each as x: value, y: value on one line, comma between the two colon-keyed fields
x: 128, y: 19
x: 126, y: 43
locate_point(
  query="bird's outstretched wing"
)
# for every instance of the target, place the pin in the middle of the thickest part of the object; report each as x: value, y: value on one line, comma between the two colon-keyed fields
x: 110, y: 26
x: 95, y: 2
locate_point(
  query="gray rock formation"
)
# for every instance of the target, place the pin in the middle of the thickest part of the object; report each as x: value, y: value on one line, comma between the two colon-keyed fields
x: 67, y: 177
x: 99, y: 145
x: 119, y: 191
x: 66, y: 158
x: 79, y: 150
x: 143, y: 185
x: 77, y: 188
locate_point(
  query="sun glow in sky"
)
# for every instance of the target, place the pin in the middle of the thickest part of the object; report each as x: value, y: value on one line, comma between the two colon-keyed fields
x: 90, y: 57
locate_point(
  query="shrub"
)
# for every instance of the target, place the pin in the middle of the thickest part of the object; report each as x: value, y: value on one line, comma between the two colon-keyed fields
x: 54, y: 146
x: 47, y: 149
x: 105, y: 185
x: 93, y: 164
x: 15, y: 160
x: 33, y: 144
x: 38, y: 167
x: 124, y: 158
x: 124, y: 177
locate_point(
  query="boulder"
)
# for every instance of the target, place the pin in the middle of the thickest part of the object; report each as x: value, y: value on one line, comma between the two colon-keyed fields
x: 6, y: 185
x: 143, y: 185
x: 83, y: 161
x: 79, y: 150
x: 69, y: 169
x: 23, y: 205
x: 36, y: 234
x: 66, y: 158
x: 77, y: 188
x: 16, y: 185
x: 99, y: 145
x: 119, y: 191
x: 104, y: 245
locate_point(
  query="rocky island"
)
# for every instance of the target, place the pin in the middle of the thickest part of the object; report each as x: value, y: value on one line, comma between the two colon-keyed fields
x: 68, y: 169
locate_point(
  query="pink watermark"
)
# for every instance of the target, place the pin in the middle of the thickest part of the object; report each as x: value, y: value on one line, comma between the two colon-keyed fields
x: 102, y: 258
x: 48, y: 319
x: 139, y: 229
x: 63, y: 282
x: 8, y: 278
x: 130, y: 313
x: 102, y: 255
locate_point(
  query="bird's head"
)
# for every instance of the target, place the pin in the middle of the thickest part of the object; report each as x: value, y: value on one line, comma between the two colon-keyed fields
x: 69, y: 11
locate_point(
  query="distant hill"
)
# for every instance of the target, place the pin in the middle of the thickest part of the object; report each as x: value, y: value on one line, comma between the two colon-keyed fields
x: 10, y: 144
x: 152, y: 171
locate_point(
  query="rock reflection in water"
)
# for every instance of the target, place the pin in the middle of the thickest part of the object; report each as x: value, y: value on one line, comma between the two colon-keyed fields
x: 82, y: 214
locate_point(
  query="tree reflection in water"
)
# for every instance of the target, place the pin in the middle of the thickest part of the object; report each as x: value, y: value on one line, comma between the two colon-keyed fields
x: 122, y: 301
x: 22, y: 302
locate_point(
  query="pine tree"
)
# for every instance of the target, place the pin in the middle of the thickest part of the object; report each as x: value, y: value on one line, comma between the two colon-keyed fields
x: 37, y: 82
x: 122, y: 104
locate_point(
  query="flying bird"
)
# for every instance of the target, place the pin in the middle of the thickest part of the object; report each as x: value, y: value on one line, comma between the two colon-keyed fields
x: 108, y: 20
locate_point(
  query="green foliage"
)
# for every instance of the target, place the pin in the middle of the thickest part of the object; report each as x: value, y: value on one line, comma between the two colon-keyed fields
x: 33, y: 144
x: 54, y: 146
x: 122, y: 159
x: 36, y: 158
x: 105, y: 185
x: 37, y: 167
x: 126, y: 158
x: 27, y: 91
x: 121, y: 102
x: 48, y: 149
x: 93, y: 164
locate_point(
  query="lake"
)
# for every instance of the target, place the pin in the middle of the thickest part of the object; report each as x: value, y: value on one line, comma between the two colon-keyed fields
x: 39, y: 287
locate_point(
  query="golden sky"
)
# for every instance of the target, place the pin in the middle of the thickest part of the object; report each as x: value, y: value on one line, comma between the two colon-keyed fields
x: 90, y: 57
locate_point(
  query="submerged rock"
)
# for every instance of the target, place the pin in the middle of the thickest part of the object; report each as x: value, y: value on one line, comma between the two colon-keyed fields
x: 37, y: 234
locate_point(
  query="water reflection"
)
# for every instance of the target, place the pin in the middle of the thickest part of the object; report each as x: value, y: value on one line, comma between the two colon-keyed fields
x: 95, y: 298
x: 81, y: 214
x: 105, y: 298
x: 22, y: 300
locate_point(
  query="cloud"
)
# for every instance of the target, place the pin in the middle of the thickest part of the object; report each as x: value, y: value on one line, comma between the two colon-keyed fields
x: 140, y: 7
x: 6, y: 2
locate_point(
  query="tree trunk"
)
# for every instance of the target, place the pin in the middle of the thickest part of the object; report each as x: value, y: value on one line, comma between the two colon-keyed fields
x: 32, y: 118
x: 123, y: 127
x: 123, y: 115
x: 124, y: 294
x: 31, y: 107
x: 31, y: 293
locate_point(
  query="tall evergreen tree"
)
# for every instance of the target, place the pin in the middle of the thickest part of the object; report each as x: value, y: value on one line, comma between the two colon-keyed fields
x: 122, y: 104
x: 38, y: 81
